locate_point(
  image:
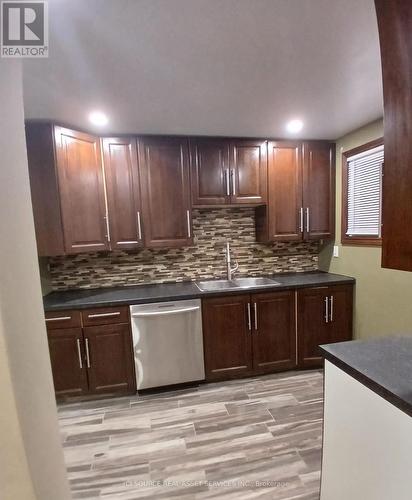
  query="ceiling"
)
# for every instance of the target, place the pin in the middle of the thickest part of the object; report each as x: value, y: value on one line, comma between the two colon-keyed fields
x: 209, y: 67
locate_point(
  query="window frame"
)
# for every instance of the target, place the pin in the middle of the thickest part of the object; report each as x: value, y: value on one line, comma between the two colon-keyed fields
x: 355, y: 240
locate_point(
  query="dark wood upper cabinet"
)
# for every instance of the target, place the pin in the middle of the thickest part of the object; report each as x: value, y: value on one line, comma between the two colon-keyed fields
x: 209, y: 168
x: 324, y: 316
x: 227, y: 337
x: 282, y: 218
x: 228, y: 172
x: 81, y: 187
x: 301, y: 196
x: 274, y: 338
x: 68, y: 361
x: 319, y: 189
x: 394, y: 23
x: 123, y: 192
x: 248, y: 172
x: 164, y: 173
x: 110, y: 360
x: 44, y: 189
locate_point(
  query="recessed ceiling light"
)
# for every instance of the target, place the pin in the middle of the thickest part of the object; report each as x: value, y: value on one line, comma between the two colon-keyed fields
x: 294, y: 126
x: 98, y: 118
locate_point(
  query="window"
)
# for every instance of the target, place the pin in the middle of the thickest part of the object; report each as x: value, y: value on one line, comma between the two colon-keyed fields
x: 362, y: 194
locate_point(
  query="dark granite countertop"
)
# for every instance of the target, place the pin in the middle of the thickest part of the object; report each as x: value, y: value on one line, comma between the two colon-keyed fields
x: 140, y: 294
x: 384, y: 365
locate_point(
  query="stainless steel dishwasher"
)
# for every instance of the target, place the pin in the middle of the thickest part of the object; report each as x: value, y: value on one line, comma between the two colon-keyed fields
x: 168, y: 343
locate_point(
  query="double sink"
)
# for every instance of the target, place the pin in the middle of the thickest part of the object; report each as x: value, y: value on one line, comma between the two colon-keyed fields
x: 235, y: 284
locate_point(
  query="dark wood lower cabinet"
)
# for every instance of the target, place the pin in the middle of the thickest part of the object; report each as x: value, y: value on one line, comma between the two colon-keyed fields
x: 274, y: 336
x: 247, y: 334
x: 67, y: 361
x: 227, y: 338
x: 324, y: 316
x: 91, y: 359
x: 273, y: 331
x: 111, y: 366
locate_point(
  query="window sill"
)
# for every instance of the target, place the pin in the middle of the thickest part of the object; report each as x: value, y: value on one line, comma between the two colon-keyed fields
x: 361, y: 242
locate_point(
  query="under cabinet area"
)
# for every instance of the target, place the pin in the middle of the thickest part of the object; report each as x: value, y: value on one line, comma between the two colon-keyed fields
x: 91, y: 351
x: 273, y: 331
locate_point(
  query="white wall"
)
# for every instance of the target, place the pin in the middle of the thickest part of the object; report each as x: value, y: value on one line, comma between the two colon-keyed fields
x: 367, y: 443
x: 31, y: 457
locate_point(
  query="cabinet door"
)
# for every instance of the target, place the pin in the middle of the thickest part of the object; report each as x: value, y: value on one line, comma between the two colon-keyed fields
x: 313, y: 327
x: 209, y: 167
x: 284, y: 211
x: 274, y: 335
x: 68, y: 361
x: 82, y: 194
x: 248, y: 172
x: 340, y: 313
x: 123, y: 192
x: 109, y: 356
x: 165, y: 187
x: 227, y: 337
x: 319, y: 190
x: 394, y: 23
x: 44, y: 189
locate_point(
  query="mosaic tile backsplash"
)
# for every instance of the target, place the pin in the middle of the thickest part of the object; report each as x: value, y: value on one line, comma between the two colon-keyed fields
x: 204, y: 260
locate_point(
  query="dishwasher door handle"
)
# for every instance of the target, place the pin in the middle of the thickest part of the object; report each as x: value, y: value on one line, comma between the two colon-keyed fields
x: 165, y: 313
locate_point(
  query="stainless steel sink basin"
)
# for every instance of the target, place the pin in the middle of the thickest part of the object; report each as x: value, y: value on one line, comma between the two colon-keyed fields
x: 216, y: 285
x: 254, y: 282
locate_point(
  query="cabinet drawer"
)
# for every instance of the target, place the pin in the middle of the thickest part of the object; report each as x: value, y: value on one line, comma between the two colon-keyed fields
x: 63, y: 319
x: 105, y: 316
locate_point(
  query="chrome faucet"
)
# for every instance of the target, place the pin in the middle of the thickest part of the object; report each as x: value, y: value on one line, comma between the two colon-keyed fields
x: 229, y: 268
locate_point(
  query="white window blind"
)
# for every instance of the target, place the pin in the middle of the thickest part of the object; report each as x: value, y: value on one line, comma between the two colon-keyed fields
x: 365, y: 193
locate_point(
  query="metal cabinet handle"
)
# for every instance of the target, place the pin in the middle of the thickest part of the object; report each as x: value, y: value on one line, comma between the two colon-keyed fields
x: 227, y: 175
x: 301, y: 219
x: 331, y: 308
x: 60, y: 318
x: 189, y: 229
x: 103, y: 315
x: 326, y: 309
x: 232, y: 175
x: 307, y: 220
x: 249, y: 319
x: 256, y: 315
x: 79, y: 353
x: 139, y: 226
x: 106, y: 221
x: 87, y: 353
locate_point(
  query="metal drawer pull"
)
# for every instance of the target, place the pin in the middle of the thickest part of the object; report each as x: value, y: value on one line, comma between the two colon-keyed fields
x: 301, y: 219
x: 79, y: 352
x: 165, y: 313
x: 331, y: 308
x: 61, y: 318
x: 227, y: 182
x: 87, y: 353
x: 103, y: 315
x: 189, y: 230
x: 139, y: 225
x: 256, y: 314
x: 307, y: 220
x: 233, y: 182
x: 326, y: 309
x: 249, y: 319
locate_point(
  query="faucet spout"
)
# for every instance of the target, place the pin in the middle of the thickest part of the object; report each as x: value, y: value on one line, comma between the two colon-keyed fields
x: 229, y: 269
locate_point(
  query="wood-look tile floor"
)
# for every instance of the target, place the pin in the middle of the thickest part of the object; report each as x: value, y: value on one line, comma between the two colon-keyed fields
x: 252, y: 438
